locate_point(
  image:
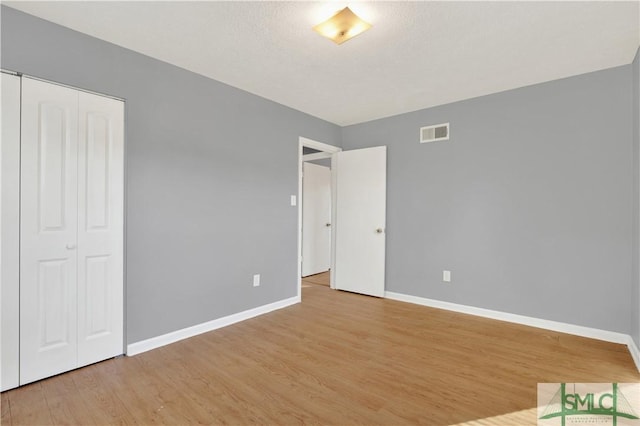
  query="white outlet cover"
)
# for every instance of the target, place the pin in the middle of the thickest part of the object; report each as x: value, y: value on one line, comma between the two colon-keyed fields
x: 446, y: 276
x: 256, y: 280
x: 294, y: 200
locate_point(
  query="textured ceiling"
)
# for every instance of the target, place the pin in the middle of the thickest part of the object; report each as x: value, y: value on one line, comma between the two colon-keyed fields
x: 417, y: 55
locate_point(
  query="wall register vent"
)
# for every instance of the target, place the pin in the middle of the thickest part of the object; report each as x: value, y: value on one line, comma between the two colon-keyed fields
x: 438, y: 132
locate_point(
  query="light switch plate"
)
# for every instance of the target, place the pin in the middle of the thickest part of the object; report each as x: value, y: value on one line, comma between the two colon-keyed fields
x: 294, y: 200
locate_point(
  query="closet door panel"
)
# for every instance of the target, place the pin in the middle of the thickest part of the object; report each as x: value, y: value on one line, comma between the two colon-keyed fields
x: 100, y: 228
x: 48, y: 228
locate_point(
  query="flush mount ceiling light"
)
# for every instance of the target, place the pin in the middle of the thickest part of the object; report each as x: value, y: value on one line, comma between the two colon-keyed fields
x: 342, y: 26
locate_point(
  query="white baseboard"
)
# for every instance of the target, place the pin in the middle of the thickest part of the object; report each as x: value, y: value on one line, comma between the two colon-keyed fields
x: 593, y: 333
x: 633, y: 350
x: 578, y: 330
x: 165, y: 339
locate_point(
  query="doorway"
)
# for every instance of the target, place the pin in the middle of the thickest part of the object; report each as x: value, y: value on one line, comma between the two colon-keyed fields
x: 316, y: 218
x: 358, y: 216
x: 316, y: 158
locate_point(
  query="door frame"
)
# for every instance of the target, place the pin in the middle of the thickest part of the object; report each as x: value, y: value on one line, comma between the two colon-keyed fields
x: 10, y: 232
x: 326, y: 151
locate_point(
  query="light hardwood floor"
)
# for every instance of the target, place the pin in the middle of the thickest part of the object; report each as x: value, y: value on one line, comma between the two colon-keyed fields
x: 336, y: 358
x: 323, y: 278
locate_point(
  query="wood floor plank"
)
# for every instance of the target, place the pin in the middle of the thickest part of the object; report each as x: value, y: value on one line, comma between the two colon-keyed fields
x: 107, y: 407
x: 29, y: 405
x: 313, y: 382
x: 337, y: 358
x: 183, y: 369
x: 323, y: 278
x: 65, y: 409
x: 144, y: 391
x: 5, y: 410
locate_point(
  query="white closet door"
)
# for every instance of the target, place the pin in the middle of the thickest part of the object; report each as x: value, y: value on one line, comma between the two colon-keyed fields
x: 71, y: 266
x: 49, y: 218
x: 100, y: 228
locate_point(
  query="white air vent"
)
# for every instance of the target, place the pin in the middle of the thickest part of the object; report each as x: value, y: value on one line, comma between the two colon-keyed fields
x: 438, y: 132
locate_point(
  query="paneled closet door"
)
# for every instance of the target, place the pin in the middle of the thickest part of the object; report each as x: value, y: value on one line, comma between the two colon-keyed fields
x: 48, y: 227
x: 100, y: 228
x: 71, y: 254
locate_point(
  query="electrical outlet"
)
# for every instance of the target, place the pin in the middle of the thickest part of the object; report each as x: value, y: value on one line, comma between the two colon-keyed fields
x: 294, y: 201
x: 256, y: 280
x: 446, y: 276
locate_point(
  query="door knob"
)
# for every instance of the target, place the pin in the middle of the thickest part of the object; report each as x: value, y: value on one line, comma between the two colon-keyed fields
x: 327, y: 225
x: 71, y: 246
x: 379, y: 230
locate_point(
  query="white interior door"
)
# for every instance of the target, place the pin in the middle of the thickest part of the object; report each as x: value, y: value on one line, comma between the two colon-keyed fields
x: 361, y: 186
x: 49, y: 218
x: 100, y: 228
x: 316, y: 219
x: 71, y: 253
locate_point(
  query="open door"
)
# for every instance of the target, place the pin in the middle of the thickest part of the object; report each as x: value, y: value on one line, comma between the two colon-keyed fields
x: 316, y: 219
x: 360, y: 216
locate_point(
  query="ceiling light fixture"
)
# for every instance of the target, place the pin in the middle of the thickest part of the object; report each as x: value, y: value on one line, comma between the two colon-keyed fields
x: 342, y: 26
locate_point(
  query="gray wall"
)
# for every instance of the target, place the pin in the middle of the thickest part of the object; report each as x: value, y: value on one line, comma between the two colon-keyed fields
x: 210, y: 170
x: 529, y: 204
x: 635, y: 296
